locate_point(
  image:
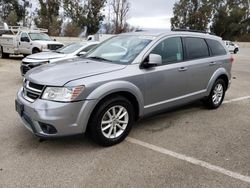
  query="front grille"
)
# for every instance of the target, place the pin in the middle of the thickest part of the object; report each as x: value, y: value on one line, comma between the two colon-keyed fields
x: 54, y: 46
x: 25, y: 69
x: 32, y: 91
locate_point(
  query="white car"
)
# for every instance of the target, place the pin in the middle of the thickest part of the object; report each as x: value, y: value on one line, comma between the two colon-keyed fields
x: 70, y: 51
x: 233, y: 48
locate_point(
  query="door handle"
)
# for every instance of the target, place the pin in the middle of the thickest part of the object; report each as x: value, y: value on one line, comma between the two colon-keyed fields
x: 212, y: 63
x: 182, y: 69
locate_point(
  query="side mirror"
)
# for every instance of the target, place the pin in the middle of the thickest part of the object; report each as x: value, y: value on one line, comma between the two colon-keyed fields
x: 154, y: 59
x: 82, y: 53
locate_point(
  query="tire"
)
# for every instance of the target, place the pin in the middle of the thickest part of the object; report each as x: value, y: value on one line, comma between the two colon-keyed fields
x: 215, y: 100
x: 35, y: 50
x: 3, y: 55
x: 103, y: 124
x: 236, y: 50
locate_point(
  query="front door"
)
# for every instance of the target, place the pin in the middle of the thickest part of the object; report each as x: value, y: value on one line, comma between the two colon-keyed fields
x: 167, y: 82
x: 24, y: 44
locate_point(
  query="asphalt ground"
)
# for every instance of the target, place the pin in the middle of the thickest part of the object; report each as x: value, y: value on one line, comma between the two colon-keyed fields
x: 186, y: 147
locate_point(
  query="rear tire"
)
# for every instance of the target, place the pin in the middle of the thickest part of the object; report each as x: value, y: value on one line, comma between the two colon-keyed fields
x: 3, y: 55
x: 112, y: 121
x: 217, y: 95
x: 236, y: 50
x: 35, y: 50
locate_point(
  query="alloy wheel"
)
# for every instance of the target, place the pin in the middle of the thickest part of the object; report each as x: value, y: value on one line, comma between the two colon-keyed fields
x: 114, y: 122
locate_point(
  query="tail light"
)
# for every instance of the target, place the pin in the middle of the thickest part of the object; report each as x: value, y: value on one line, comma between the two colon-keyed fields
x: 231, y: 59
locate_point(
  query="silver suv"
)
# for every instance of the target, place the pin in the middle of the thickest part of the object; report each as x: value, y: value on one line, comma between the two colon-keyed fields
x: 122, y: 80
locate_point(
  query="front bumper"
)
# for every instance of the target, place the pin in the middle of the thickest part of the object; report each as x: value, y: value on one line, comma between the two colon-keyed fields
x: 67, y: 118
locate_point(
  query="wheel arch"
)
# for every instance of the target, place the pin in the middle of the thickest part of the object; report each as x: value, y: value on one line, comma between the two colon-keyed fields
x: 219, y: 74
x: 108, y: 90
x: 35, y: 48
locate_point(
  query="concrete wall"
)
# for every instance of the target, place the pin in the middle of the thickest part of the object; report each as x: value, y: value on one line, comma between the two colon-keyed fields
x: 243, y: 44
x: 68, y: 40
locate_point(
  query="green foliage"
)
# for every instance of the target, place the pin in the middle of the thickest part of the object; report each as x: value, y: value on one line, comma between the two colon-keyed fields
x: 194, y: 14
x: 85, y: 13
x: 13, y: 11
x: 48, y: 16
x: 229, y: 19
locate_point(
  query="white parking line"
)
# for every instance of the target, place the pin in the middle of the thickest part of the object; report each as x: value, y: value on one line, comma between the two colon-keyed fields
x: 190, y: 160
x: 237, y: 99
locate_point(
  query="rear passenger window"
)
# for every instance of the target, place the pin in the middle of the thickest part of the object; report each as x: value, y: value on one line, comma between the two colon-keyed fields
x: 215, y: 47
x: 170, y: 50
x: 196, y: 48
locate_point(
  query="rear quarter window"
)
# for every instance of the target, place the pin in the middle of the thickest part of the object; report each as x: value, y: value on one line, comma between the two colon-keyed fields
x: 196, y: 48
x: 216, y: 47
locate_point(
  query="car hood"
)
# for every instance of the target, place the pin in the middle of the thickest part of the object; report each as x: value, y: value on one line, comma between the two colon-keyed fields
x: 60, y: 73
x: 44, y: 42
x: 46, y: 56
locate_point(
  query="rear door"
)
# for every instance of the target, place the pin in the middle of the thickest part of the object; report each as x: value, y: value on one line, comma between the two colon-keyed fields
x: 202, y: 65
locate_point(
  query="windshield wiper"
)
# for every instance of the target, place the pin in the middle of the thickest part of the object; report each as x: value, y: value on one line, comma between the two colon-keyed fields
x: 99, y: 58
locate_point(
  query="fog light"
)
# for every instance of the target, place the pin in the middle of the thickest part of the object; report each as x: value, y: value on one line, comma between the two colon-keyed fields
x: 48, y: 129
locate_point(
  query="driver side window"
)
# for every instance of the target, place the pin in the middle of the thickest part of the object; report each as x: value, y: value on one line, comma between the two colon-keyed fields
x: 24, y: 37
x: 170, y: 50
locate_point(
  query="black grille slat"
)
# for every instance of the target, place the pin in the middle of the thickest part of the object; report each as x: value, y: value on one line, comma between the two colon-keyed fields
x: 32, y: 95
x: 54, y: 46
x: 32, y: 91
x: 36, y: 86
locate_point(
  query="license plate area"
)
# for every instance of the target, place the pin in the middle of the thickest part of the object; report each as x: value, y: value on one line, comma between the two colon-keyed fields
x: 19, y: 108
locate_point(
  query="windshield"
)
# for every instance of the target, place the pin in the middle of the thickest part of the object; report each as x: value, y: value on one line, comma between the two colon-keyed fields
x: 121, y: 49
x: 70, y: 48
x: 39, y: 36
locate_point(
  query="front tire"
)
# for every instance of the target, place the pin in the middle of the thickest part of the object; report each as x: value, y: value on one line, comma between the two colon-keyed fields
x: 217, y: 95
x: 112, y: 121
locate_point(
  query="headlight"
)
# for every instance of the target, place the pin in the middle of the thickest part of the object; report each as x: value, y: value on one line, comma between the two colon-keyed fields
x: 62, y: 94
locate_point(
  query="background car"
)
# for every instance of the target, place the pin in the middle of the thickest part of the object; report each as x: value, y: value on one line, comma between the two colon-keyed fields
x: 233, y: 48
x: 68, y: 52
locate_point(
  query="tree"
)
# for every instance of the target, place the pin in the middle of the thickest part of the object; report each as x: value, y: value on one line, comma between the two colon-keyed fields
x: 94, y: 15
x: 193, y: 14
x: 117, y: 19
x: 85, y: 13
x: 231, y: 19
x: 48, y: 16
x: 71, y: 30
x: 25, y: 4
x: 120, y: 10
x: 11, y: 11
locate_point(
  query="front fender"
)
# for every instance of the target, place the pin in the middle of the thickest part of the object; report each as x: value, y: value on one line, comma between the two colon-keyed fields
x: 219, y: 72
x: 117, y: 86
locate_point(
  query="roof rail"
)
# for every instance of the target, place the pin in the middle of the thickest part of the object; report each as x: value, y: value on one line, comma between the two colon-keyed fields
x: 21, y: 28
x: 193, y: 30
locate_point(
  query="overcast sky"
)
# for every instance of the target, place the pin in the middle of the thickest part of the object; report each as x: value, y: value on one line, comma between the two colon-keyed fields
x: 146, y: 13
x: 151, y: 13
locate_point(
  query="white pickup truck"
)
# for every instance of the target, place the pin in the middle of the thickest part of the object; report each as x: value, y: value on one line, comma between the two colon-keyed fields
x: 20, y: 40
